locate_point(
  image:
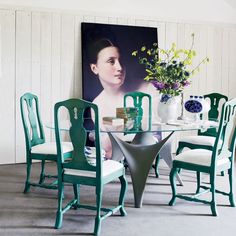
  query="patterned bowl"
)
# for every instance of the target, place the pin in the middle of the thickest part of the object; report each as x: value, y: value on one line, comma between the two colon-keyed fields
x: 193, y: 106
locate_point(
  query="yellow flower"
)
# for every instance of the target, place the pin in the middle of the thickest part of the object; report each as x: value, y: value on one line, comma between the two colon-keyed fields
x: 168, y: 70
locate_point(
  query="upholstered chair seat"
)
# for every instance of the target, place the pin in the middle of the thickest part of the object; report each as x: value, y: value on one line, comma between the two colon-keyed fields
x: 51, y: 148
x: 201, y: 157
x: 109, y: 167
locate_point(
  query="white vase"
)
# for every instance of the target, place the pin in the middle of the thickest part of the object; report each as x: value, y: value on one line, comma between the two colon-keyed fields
x: 170, y: 110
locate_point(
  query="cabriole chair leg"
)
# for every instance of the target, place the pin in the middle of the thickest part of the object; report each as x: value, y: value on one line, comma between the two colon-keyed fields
x: 213, y: 200
x: 173, y: 174
x: 28, y: 172
x: 42, y: 175
x: 97, y: 226
x: 198, y: 181
x: 122, y: 194
x: 76, y: 194
x: 59, y: 216
x: 231, y: 187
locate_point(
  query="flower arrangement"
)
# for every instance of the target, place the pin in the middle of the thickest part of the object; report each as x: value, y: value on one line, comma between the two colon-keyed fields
x: 168, y: 70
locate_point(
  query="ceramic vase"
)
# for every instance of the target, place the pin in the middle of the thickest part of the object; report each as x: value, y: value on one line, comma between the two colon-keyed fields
x: 169, y: 110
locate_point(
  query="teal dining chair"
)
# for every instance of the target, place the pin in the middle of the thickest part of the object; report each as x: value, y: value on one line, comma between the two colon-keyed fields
x: 204, y: 139
x: 80, y: 170
x: 36, y: 146
x: 138, y: 100
x: 220, y: 158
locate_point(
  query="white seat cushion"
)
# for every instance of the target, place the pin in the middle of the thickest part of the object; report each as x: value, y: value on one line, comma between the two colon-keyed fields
x: 199, y: 140
x: 51, y: 148
x: 109, y: 167
x: 199, y: 157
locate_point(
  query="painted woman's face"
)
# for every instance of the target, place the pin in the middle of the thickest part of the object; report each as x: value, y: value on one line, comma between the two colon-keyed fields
x: 109, y: 68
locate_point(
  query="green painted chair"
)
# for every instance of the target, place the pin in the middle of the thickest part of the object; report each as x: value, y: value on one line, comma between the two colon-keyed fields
x: 80, y: 170
x: 36, y: 146
x: 220, y: 158
x: 204, y: 139
x: 137, y: 99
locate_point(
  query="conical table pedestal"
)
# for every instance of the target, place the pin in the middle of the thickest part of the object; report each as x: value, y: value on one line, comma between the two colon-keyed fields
x: 139, y: 154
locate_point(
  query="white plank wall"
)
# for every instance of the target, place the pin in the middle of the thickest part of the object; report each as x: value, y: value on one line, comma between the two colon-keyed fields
x: 41, y: 53
x: 7, y: 86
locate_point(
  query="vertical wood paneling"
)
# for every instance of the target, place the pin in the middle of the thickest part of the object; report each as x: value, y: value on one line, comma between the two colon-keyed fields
x: 101, y: 19
x: 189, y: 29
x: 212, y: 67
x: 46, y: 69
x: 112, y: 20
x: 47, y: 62
x: 141, y: 22
x: 171, y: 34
x: 7, y: 86
x: 122, y: 21
x: 201, y: 50
x: 23, y: 74
x: 217, y: 53
x: 232, y: 64
x: 131, y: 21
x: 35, y: 53
x: 161, y: 33
x: 56, y: 58
x: 67, y: 56
x: 87, y: 18
x: 78, y: 59
x: 225, y: 62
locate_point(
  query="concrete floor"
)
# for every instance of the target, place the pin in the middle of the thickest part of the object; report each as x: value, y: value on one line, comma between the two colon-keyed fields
x: 34, y: 213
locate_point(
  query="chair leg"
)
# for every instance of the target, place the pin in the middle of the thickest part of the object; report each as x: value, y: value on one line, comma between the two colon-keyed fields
x: 178, y: 151
x: 125, y: 164
x: 157, y: 160
x: 76, y: 194
x: 213, y: 200
x: 42, y: 174
x: 173, y: 174
x: 59, y: 216
x: 97, y: 226
x: 198, y: 181
x: 231, y: 186
x: 123, y: 189
x: 28, y: 171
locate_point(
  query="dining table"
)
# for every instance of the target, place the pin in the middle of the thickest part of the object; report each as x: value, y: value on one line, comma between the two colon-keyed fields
x: 141, y: 151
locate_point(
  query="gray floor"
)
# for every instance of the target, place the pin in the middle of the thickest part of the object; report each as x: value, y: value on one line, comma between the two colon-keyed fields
x: 34, y: 213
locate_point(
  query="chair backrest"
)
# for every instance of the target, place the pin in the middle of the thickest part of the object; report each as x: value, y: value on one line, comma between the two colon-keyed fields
x: 78, y: 135
x: 32, y: 124
x: 216, y: 102
x: 138, y: 103
x: 224, y: 146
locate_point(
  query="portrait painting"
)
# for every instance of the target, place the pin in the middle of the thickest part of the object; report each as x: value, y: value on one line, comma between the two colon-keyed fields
x: 127, y: 39
x: 109, y: 70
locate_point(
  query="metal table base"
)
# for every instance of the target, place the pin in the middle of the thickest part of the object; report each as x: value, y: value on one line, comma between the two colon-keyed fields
x: 139, y: 154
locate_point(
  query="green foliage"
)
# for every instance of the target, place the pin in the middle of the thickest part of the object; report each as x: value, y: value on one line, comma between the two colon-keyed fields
x: 168, y: 70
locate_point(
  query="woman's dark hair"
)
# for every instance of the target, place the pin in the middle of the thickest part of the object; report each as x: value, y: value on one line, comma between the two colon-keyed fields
x: 96, y: 47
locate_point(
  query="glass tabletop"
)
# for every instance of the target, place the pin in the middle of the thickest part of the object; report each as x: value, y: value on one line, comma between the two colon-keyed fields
x: 179, y: 125
x: 162, y: 127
